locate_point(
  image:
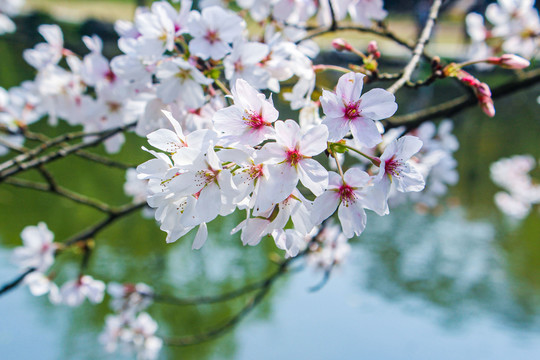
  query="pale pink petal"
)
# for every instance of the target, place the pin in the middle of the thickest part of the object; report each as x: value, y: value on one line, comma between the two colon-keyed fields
x: 378, y: 104
x: 287, y: 133
x: 352, y: 217
x: 313, y: 175
x: 337, y: 127
x: 410, y: 180
x: 314, y: 141
x: 200, y: 237
x: 356, y: 177
x: 365, y: 132
x: 350, y: 86
x: 208, y: 204
x: 324, y: 206
x: 282, y: 180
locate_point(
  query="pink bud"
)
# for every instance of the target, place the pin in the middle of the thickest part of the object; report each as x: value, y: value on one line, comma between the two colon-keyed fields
x: 372, y: 47
x: 487, y: 105
x: 510, y: 61
x: 469, y: 80
x: 341, y: 45
x: 483, y: 90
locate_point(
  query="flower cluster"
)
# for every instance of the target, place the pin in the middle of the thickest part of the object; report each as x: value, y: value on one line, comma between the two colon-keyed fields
x: 434, y: 161
x: 249, y: 160
x: 514, y: 27
x: 131, y: 329
x: 37, y: 255
x: 481, y: 90
x: 330, y: 249
x: 298, y: 12
x: 521, y: 192
x: 8, y: 9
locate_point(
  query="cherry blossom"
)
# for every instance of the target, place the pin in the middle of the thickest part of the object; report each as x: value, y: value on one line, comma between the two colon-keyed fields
x: 178, y: 77
x: 396, y: 168
x: 213, y: 29
x: 295, y: 207
x: 74, y: 292
x: 330, y: 249
x: 346, y: 110
x: 40, y: 284
x: 129, y: 298
x: 349, y: 193
x: 364, y: 11
x: 249, y: 120
x: 290, y: 159
x: 38, y: 250
x: 134, y: 334
x: 512, y: 174
x: 244, y: 62
x: 49, y: 52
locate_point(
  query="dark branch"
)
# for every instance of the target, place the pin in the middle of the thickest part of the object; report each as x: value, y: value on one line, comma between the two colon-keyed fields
x: 456, y: 105
x: 15, y: 282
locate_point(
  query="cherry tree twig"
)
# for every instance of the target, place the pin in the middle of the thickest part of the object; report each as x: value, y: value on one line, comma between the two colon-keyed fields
x: 100, y: 137
x: 89, y: 233
x: 16, y: 166
x: 454, y: 106
x: 71, y: 195
x: 419, y: 47
x: 265, y: 287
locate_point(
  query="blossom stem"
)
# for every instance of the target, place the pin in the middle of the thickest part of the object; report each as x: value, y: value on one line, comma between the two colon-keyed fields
x: 319, y: 68
x: 374, y: 160
x: 472, y: 62
x: 222, y: 87
x: 340, y: 170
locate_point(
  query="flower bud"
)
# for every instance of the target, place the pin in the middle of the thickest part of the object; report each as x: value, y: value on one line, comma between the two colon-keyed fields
x: 484, y: 90
x: 470, y: 80
x: 510, y: 61
x: 487, y: 106
x: 374, y: 49
x: 341, y: 45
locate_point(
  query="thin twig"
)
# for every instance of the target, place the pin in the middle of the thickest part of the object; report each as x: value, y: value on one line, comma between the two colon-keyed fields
x: 22, y: 166
x: 73, y: 196
x: 383, y: 32
x: 15, y: 282
x: 114, y: 215
x: 81, y: 153
x: 419, y: 47
x: 250, y: 305
x: 458, y: 104
x: 100, y: 136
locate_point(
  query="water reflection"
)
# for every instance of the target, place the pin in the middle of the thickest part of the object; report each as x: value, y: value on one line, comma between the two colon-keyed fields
x: 459, y: 266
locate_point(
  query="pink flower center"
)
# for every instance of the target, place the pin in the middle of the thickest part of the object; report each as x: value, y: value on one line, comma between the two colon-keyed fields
x: 255, y: 121
x: 256, y: 171
x: 129, y: 289
x: 346, y: 193
x: 205, y: 177
x: 392, y: 166
x: 212, y: 36
x: 351, y: 110
x: 110, y: 76
x: 294, y: 157
x: 238, y: 66
x: 45, y: 247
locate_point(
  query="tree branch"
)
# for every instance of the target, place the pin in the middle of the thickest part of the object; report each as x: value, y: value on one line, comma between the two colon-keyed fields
x: 458, y: 104
x: 15, y: 282
x: 73, y: 196
x: 419, y: 47
x: 15, y: 166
